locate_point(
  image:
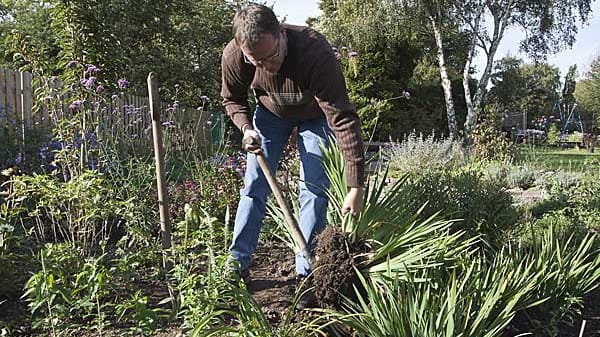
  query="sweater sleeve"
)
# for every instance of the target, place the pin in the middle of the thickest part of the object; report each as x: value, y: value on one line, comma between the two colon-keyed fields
x: 236, y: 78
x: 327, y: 82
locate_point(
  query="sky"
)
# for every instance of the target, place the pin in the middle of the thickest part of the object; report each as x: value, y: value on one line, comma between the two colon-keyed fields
x: 585, y: 49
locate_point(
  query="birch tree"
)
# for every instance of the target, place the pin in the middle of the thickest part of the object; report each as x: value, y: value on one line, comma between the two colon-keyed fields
x: 549, y: 27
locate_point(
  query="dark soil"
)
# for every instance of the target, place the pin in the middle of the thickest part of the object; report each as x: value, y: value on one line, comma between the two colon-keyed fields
x: 273, y: 279
x: 334, y: 269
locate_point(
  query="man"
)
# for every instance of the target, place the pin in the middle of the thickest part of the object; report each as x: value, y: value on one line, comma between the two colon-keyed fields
x: 297, y: 82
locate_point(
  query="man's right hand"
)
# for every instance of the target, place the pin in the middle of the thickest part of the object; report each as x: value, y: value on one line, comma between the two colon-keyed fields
x: 251, y: 141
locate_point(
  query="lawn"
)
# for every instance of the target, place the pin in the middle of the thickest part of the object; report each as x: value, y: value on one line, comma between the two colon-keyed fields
x: 554, y: 158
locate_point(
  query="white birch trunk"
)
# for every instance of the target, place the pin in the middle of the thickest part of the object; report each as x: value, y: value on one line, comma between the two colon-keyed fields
x: 446, y: 84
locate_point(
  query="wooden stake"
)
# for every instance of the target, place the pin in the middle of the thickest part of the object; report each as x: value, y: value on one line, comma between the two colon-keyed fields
x: 159, y: 157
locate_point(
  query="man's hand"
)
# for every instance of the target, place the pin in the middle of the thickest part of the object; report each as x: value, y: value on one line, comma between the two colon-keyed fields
x: 353, y: 202
x: 251, y: 141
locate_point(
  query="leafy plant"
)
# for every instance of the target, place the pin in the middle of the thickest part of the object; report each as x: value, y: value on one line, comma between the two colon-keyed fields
x: 136, y: 309
x: 419, y: 154
x: 490, y: 144
x: 67, y: 288
x: 82, y: 211
x: 476, y: 300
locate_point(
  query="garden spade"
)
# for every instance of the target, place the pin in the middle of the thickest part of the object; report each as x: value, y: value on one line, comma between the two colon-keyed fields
x: 290, y: 219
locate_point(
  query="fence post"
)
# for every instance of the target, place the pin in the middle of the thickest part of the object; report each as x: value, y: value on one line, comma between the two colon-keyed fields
x: 163, y: 203
x: 3, y: 103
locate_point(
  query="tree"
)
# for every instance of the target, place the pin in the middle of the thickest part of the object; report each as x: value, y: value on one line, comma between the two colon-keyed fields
x: 406, y: 58
x: 587, y: 94
x: 522, y: 87
x: 550, y: 26
x: 180, y: 40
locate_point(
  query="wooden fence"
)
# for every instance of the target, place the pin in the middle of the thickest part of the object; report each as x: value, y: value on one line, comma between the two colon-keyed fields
x: 120, y: 115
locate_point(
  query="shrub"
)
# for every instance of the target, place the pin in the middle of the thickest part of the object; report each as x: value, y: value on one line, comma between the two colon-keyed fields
x: 491, y: 144
x: 83, y: 210
x: 423, y: 154
x: 522, y: 177
x: 485, y: 207
x: 553, y: 134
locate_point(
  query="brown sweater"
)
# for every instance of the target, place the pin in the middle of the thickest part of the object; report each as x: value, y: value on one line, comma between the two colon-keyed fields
x: 309, y: 83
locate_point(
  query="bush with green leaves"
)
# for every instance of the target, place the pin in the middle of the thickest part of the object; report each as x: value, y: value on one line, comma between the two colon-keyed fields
x: 523, y: 177
x: 569, y: 266
x: 490, y: 144
x: 543, y: 279
x: 485, y: 208
x: 559, y: 180
x: 479, y: 299
x: 68, y: 290
x: 418, y: 153
x: 82, y: 211
x: 553, y: 134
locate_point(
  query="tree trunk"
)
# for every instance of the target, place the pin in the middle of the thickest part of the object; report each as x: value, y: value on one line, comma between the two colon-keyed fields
x: 446, y: 84
x: 471, y: 120
x: 500, y: 23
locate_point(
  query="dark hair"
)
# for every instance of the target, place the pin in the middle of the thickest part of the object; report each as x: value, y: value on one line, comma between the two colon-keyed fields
x: 253, y: 21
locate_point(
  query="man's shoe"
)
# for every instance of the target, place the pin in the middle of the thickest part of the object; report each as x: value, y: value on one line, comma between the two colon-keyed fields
x: 235, y: 276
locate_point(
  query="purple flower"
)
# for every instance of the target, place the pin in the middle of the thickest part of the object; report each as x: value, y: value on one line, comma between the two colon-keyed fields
x: 123, y: 83
x: 115, y: 97
x: 204, y: 99
x: 338, y: 56
x: 72, y: 64
x: 100, y: 88
x: 352, y: 54
x: 406, y: 94
x: 89, y: 83
x: 92, y: 69
x: 76, y: 104
x: 19, y: 159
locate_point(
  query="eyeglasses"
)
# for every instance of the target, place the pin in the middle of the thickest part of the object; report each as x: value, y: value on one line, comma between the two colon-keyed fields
x: 264, y: 59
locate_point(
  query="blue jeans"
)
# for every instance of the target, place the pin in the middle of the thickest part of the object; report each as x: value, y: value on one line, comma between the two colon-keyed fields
x: 313, y: 184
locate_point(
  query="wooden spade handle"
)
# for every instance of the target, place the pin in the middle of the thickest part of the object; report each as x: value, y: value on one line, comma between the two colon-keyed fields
x: 289, y: 217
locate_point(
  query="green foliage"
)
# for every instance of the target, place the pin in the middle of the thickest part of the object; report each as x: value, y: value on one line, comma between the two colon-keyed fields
x: 519, y: 86
x: 586, y: 94
x: 182, y: 44
x: 391, y: 62
x: 478, y: 300
x: 419, y: 154
x: 402, y: 239
x: 569, y: 268
x: 68, y: 288
x: 485, y: 208
x: 490, y: 143
x: 522, y: 177
x: 136, y: 309
x: 82, y: 211
x: 553, y: 134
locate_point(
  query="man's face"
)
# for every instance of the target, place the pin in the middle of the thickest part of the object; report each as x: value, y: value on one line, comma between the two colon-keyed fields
x: 268, y: 54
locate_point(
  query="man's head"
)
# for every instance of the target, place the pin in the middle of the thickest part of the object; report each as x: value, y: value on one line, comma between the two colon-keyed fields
x: 259, y: 35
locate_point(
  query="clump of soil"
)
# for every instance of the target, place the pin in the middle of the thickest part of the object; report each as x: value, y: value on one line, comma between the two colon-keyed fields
x: 333, y: 269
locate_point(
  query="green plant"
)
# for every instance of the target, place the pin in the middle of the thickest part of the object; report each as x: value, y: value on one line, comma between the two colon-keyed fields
x: 485, y: 208
x: 490, y: 144
x: 479, y: 299
x: 82, y: 211
x: 569, y: 266
x: 522, y: 177
x: 67, y: 288
x: 136, y: 309
x: 553, y: 134
x: 249, y: 320
x: 419, y: 154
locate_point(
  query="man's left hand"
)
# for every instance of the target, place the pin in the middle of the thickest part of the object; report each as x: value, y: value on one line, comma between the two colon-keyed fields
x: 353, y: 202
